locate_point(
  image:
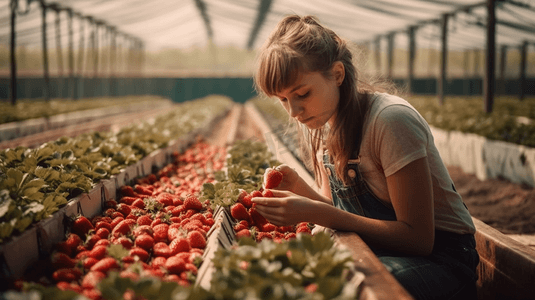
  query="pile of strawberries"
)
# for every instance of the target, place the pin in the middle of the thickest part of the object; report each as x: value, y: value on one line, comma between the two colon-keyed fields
x: 250, y: 223
x: 160, y: 225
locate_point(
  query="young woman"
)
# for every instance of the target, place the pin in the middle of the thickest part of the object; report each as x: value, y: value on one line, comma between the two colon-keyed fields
x: 374, y: 158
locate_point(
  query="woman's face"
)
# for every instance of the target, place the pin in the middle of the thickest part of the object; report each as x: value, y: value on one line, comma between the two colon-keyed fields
x: 312, y: 99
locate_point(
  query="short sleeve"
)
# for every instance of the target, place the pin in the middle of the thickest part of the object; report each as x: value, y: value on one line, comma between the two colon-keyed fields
x: 401, y: 136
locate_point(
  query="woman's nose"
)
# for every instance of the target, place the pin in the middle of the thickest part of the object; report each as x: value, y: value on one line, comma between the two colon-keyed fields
x: 295, y: 109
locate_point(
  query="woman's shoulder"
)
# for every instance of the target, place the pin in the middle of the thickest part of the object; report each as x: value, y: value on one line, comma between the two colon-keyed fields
x: 382, y: 103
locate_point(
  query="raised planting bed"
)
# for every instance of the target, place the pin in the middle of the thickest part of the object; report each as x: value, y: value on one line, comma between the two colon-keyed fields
x: 29, y: 117
x: 37, y: 193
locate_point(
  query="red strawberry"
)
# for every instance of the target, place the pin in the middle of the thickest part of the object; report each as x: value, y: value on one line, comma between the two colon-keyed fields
x: 110, y: 203
x: 258, y: 219
x: 61, y: 260
x: 102, y: 242
x: 139, y: 252
x: 303, y: 229
x: 247, y: 202
x: 196, y: 239
x: 268, y: 227
x: 128, y: 200
x: 127, y: 190
x: 103, y: 233
x: 81, y: 226
x: 144, y: 241
x: 239, y: 212
x: 144, y: 220
x: 143, y: 190
x: 263, y: 235
x: 105, y: 264
x: 116, y: 221
x: 139, y: 203
x: 192, y: 202
x: 179, y: 245
x: 290, y: 235
x: 175, y: 265
x: 124, y: 241
x: 91, y: 279
x: 160, y: 232
x: 243, y: 233
x: 88, y: 262
x: 256, y: 194
x: 268, y: 194
x: 63, y: 247
x: 165, y: 199
x: 98, y: 252
x: 68, y: 275
x: 123, y: 228
x: 103, y: 224
x: 73, y: 241
x: 162, y: 249
x: 272, y: 179
x: 158, y: 262
x: 123, y: 209
x: 143, y: 229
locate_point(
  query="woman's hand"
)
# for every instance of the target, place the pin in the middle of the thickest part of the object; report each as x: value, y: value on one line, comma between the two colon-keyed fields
x: 289, y: 178
x: 284, y: 208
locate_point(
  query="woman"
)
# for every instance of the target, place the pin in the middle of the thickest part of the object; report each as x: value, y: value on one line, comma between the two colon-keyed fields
x: 374, y: 158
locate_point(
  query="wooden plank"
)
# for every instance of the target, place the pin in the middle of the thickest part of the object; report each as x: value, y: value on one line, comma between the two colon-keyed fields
x: 507, y: 267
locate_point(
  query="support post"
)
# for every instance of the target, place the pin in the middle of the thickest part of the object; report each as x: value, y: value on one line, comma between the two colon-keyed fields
x: 46, y: 89
x: 72, y: 84
x: 412, y: 55
x: 489, y: 82
x: 443, y: 59
x: 13, y: 49
x: 378, y: 55
x: 390, y: 39
x: 503, y: 62
x: 523, y: 63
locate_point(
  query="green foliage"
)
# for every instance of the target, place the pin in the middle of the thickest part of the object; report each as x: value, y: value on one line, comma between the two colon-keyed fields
x: 26, y: 109
x: 247, y: 161
x: 270, y: 270
x: 466, y: 114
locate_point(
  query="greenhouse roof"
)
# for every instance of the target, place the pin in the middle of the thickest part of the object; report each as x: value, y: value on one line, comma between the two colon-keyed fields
x: 247, y: 23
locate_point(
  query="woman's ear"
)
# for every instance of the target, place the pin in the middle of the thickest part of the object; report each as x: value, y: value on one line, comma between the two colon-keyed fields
x: 339, y: 72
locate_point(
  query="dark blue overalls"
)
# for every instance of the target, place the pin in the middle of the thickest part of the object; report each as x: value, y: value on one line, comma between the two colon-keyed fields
x: 448, y: 273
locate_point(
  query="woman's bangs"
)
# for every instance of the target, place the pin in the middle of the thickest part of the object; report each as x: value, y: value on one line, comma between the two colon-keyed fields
x: 280, y: 72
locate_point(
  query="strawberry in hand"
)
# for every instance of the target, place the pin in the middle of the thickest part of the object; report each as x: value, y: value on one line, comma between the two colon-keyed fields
x: 272, y: 178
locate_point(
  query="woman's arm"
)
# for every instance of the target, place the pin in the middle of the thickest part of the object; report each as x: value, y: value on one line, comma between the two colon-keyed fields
x: 412, y: 198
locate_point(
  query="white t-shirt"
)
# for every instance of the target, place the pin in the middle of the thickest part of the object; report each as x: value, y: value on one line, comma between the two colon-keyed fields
x: 394, y: 135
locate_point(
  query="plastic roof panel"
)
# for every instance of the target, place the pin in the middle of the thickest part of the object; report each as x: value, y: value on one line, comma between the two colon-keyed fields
x: 179, y: 23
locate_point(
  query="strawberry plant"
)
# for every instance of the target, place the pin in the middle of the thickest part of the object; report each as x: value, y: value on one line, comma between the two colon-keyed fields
x: 34, y: 183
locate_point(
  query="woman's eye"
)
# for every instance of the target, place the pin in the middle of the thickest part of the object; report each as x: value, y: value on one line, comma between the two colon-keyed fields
x: 304, y: 95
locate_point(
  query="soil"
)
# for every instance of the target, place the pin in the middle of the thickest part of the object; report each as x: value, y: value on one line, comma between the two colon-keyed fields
x: 505, y: 206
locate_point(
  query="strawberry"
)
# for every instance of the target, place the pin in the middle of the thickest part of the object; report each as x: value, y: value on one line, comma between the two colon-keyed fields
x: 192, y: 202
x: 139, y: 252
x: 88, y: 262
x: 290, y: 235
x: 285, y: 229
x: 175, y: 265
x: 258, y: 219
x: 196, y: 239
x: 239, y: 212
x: 144, y: 241
x: 243, y: 233
x: 160, y: 232
x: 128, y: 200
x: 61, y: 260
x: 256, y: 194
x: 158, y: 262
x: 123, y: 209
x: 165, y: 199
x: 67, y: 274
x: 91, y: 279
x: 272, y: 179
x: 144, y: 220
x: 81, y: 226
x: 73, y: 241
x: 124, y: 241
x: 263, y: 235
x: 143, y: 229
x: 268, y: 194
x: 179, y: 245
x: 162, y: 249
x: 98, y: 252
x: 139, y: 203
x: 123, y: 228
x: 63, y: 247
x: 110, y: 203
x: 127, y: 190
x: 102, y: 242
x: 103, y: 233
x: 116, y: 221
x: 103, y: 224
x: 268, y: 227
x: 143, y: 190
x: 303, y: 229
x: 105, y: 264
x: 247, y: 202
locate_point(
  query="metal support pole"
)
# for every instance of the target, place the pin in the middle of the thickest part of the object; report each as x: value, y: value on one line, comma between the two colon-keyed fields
x: 489, y: 82
x: 412, y: 55
x: 390, y: 54
x: 13, y: 48
x: 72, y: 85
x: 46, y: 89
x: 503, y: 62
x: 443, y: 60
x: 378, y: 55
x: 59, y: 52
x: 523, y: 63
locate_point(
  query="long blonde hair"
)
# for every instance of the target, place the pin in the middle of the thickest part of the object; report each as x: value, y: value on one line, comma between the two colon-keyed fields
x: 301, y: 44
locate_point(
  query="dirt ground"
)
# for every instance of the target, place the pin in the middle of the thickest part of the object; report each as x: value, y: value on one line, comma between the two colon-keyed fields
x: 506, y: 206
